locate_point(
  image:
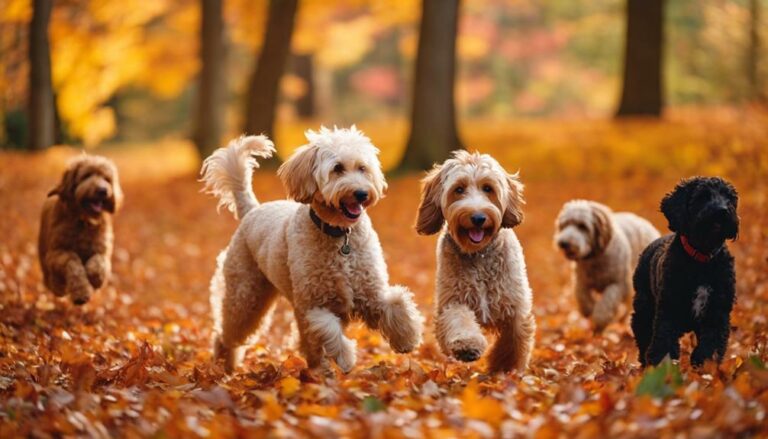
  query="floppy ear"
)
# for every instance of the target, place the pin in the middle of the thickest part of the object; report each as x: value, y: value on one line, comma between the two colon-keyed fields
x: 297, y: 174
x: 66, y: 187
x: 513, y: 213
x: 430, y: 217
x: 603, y: 228
x: 674, y: 206
x: 117, y: 192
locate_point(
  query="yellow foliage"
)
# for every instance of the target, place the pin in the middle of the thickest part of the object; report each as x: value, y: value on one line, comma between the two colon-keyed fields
x: 477, y: 407
x: 16, y: 11
x: 289, y: 386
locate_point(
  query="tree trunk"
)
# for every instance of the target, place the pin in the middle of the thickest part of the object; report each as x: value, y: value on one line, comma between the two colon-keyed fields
x: 41, y: 105
x: 753, y: 55
x: 264, y: 87
x: 643, y: 88
x: 433, y: 118
x: 304, y: 69
x: 208, y: 122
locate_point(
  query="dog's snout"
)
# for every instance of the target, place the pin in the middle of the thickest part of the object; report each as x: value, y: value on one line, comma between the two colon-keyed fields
x: 101, y: 191
x: 564, y: 245
x: 478, y: 219
x: 361, y: 195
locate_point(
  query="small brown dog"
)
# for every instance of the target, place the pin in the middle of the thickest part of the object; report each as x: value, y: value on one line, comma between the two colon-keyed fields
x: 75, y: 246
x: 481, y: 278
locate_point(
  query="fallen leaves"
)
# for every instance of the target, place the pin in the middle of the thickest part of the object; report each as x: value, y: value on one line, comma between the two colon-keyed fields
x: 136, y: 361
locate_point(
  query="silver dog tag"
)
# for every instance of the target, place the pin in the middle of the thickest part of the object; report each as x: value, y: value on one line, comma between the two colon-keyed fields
x: 345, y: 249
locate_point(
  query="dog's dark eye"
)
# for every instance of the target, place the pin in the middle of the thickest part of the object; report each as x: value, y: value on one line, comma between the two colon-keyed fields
x: 581, y: 227
x: 339, y: 168
x: 459, y: 190
x: 487, y: 188
x: 361, y: 168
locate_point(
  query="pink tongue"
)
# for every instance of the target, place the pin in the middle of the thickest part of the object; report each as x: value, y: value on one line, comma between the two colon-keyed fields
x: 96, y: 205
x: 354, y: 208
x: 476, y: 235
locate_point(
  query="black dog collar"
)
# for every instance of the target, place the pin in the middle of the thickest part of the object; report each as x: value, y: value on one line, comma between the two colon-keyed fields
x: 332, y: 231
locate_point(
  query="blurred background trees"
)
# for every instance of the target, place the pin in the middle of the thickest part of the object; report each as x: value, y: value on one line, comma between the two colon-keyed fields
x: 136, y: 71
x: 642, y: 91
x: 433, y: 115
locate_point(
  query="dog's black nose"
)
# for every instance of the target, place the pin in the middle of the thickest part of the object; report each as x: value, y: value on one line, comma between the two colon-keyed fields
x: 478, y: 219
x: 565, y: 245
x: 80, y: 301
x: 101, y: 192
x: 361, y: 195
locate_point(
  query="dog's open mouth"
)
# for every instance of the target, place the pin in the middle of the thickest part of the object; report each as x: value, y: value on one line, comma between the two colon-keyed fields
x: 476, y: 234
x: 95, y: 206
x: 352, y: 210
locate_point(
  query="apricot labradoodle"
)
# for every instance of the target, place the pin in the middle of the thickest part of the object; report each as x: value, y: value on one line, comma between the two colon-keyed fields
x: 75, y: 243
x: 481, y: 276
x: 319, y: 251
x: 604, y: 247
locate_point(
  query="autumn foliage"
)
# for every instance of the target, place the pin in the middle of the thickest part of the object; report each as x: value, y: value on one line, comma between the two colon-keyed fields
x: 135, y: 361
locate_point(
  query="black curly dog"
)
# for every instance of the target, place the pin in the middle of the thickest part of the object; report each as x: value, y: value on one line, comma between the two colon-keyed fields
x: 685, y: 281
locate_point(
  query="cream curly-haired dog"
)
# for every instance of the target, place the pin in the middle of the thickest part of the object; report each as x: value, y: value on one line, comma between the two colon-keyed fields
x: 481, y: 276
x: 75, y: 242
x: 604, y: 247
x: 319, y: 251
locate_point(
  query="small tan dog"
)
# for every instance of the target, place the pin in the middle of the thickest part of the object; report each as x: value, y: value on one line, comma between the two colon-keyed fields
x: 319, y: 251
x: 75, y: 243
x: 481, y: 276
x: 604, y: 247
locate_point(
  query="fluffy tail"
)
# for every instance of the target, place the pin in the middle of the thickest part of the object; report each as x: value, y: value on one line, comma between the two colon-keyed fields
x: 227, y: 172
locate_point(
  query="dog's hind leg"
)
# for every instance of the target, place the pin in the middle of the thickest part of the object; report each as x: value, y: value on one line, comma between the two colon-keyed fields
x: 247, y: 297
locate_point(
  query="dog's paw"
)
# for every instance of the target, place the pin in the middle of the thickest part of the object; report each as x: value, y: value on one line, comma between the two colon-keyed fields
x: 467, y: 355
x: 347, y: 357
x: 699, y: 357
x: 401, y: 323
x: 96, y: 271
x: 601, y: 318
x: 80, y: 294
x: 468, y: 350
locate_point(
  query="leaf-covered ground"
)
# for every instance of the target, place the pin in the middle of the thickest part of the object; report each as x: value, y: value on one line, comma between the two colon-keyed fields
x: 135, y: 361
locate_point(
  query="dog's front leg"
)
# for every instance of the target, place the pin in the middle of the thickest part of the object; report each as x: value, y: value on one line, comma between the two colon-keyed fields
x: 98, y: 268
x: 69, y: 276
x: 394, y: 313
x: 712, y: 340
x: 584, y: 297
x: 713, y: 330
x: 608, y: 306
x: 458, y: 332
x: 512, y: 349
x: 665, y: 338
x: 322, y: 335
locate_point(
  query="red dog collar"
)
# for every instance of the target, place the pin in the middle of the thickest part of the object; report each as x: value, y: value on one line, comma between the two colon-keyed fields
x: 695, y: 254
